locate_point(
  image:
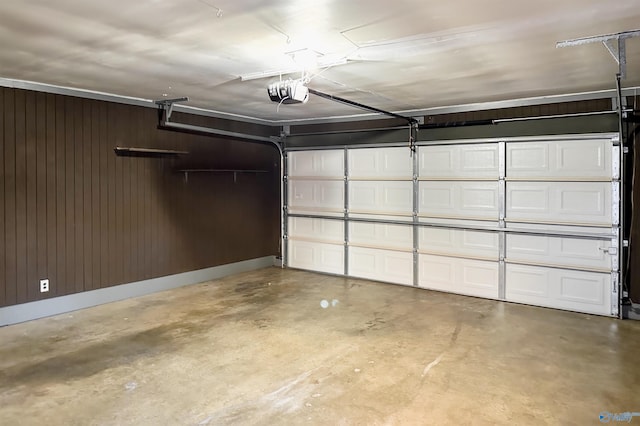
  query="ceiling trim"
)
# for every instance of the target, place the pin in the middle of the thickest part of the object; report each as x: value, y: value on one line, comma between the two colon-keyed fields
x: 477, y: 106
x: 121, y: 99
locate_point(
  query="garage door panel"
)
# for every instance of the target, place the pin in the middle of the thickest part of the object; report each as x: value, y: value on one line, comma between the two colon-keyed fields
x: 301, y: 254
x: 435, y: 196
x: 437, y: 272
x: 320, y: 196
x: 314, y: 256
x: 380, y: 163
x: 437, y: 161
x: 397, y: 267
x: 464, y: 276
x: 559, y: 251
x: 590, y: 250
x: 471, y: 161
x: 479, y: 159
x: 458, y: 242
x: 462, y: 200
x: 589, y: 158
x: 527, y: 159
x: 381, y: 265
x: 361, y: 263
x: 481, y: 276
x: 381, y: 197
x: 560, y: 202
x: 437, y: 237
x: 318, y: 229
x: 559, y: 288
x: 561, y: 159
x: 528, y: 198
x: 478, y: 240
x: 325, y: 163
x: 582, y: 289
x: 381, y: 235
x: 582, y: 159
x: 577, y: 200
x: 526, y: 283
x: 332, y: 259
x: 473, y: 198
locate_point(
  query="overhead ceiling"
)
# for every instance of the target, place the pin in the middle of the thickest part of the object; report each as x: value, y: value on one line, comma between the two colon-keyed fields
x: 399, y: 56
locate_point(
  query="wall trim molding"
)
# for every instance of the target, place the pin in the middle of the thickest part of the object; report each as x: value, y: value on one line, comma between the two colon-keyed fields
x: 443, y: 109
x: 58, y: 305
x: 123, y: 99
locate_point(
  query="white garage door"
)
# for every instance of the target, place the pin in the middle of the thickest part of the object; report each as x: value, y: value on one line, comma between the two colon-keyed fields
x: 316, y: 187
x: 532, y: 221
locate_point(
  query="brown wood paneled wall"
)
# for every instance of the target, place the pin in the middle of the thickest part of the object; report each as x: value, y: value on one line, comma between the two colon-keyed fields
x: 596, y: 105
x: 574, y: 107
x: 75, y: 213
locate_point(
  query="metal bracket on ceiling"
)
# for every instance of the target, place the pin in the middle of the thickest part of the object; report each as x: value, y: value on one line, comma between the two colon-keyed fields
x: 614, y: 43
x: 167, y: 105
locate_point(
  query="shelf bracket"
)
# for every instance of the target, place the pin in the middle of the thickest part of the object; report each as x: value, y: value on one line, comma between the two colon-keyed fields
x: 167, y: 105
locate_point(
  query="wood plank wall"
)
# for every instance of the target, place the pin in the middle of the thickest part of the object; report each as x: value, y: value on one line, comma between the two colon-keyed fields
x: 74, y: 212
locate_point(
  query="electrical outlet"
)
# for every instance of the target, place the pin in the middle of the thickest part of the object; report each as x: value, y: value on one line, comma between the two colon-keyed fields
x: 44, y: 286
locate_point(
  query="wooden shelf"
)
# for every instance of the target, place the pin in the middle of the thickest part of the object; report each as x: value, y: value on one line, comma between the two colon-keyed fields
x: 222, y: 171
x: 147, y: 152
x: 234, y: 171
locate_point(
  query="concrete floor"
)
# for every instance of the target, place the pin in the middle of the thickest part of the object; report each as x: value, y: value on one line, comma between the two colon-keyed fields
x: 258, y: 348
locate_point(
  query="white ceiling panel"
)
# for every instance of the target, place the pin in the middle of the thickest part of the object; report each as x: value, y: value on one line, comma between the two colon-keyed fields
x: 401, y: 55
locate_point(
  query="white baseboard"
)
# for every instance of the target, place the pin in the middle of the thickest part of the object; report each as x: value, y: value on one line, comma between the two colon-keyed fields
x: 44, y: 308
